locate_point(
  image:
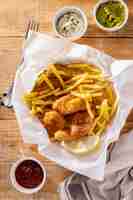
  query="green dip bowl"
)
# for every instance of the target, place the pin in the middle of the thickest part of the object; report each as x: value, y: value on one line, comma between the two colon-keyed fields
x: 110, y: 15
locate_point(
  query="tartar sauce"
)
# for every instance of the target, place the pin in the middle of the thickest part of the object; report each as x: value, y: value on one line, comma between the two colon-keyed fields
x: 70, y: 24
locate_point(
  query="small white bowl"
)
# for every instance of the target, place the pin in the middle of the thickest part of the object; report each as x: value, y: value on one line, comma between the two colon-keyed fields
x: 115, y: 28
x: 19, y: 187
x: 65, y: 10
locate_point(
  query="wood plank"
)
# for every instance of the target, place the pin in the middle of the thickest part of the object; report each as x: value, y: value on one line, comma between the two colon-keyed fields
x: 6, y: 113
x: 13, y: 15
x: 48, y: 8
x: 10, y: 49
x: 9, y: 129
x: 120, y: 48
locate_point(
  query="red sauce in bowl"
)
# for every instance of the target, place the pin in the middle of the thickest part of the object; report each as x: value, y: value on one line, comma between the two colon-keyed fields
x: 29, y: 174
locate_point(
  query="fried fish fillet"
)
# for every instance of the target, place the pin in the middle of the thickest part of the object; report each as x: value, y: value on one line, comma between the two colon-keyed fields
x: 64, y: 135
x: 69, y: 104
x: 53, y: 121
x: 81, y: 124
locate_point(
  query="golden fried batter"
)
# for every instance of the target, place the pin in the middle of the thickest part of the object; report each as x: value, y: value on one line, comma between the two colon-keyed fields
x: 69, y: 104
x: 81, y: 124
x: 64, y: 135
x: 81, y: 118
x: 53, y: 121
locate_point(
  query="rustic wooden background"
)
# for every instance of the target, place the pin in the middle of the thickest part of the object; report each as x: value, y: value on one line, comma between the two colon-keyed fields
x: 13, y: 15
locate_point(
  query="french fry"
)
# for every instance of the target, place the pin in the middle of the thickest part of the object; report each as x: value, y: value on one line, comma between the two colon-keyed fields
x: 89, y: 109
x: 57, y: 74
x: 72, y: 86
x: 101, y: 129
x: 88, y: 81
x: 39, y: 110
x: 63, y: 73
x: 103, y: 117
x: 84, y: 65
x: 41, y: 102
x: 74, y: 78
x: 82, y: 78
x: 43, y: 92
x: 44, y: 78
x: 94, y: 87
x: 61, y: 92
x: 97, y: 94
x: 53, y: 92
x: 81, y: 95
x: 77, y: 65
x: 101, y: 124
x: 93, y: 127
x: 110, y: 94
x: 29, y: 95
x: 114, y: 107
x: 33, y: 111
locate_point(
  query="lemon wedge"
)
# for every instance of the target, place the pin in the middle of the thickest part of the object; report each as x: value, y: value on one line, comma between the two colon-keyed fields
x: 83, y: 146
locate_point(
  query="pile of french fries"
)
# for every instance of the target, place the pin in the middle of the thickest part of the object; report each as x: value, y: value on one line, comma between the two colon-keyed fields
x: 80, y: 80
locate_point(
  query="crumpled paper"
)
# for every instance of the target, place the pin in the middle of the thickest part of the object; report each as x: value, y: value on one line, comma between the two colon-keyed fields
x: 41, y: 50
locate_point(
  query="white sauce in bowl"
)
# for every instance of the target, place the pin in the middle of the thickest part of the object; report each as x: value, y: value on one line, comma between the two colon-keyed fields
x: 70, y: 24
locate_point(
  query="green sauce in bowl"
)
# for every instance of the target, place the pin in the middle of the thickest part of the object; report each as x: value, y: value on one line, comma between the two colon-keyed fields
x: 111, y: 14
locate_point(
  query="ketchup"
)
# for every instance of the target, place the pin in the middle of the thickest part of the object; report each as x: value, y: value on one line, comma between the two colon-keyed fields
x: 29, y: 174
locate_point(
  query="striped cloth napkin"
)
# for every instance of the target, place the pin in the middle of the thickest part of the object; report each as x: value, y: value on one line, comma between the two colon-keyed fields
x: 118, y: 181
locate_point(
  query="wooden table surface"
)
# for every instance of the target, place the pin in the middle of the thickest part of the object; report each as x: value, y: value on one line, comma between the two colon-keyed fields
x: 13, y: 15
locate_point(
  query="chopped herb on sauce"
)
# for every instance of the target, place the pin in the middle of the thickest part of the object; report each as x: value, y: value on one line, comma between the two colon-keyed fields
x: 111, y: 14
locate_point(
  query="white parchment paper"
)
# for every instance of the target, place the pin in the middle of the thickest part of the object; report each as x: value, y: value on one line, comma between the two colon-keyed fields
x: 39, y: 51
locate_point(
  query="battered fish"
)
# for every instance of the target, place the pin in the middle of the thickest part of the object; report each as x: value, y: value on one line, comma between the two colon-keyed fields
x: 69, y: 104
x: 53, y: 121
x: 81, y: 125
x: 64, y: 135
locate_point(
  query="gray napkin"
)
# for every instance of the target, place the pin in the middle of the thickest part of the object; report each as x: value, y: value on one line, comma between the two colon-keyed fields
x: 118, y: 181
